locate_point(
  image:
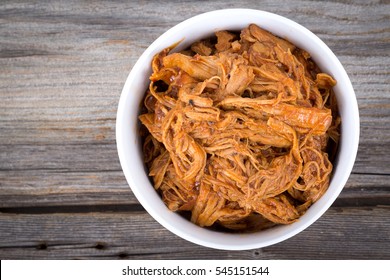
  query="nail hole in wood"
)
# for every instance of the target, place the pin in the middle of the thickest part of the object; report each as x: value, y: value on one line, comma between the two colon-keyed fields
x: 100, y: 246
x: 123, y: 255
x: 42, y: 246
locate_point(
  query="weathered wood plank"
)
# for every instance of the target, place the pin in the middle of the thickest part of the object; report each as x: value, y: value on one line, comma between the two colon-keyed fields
x: 45, y: 188
x: 54, y: 188
x: 86, y: 113
x: 338, y: 234
x: 104, y: 157
x: 77, y: 157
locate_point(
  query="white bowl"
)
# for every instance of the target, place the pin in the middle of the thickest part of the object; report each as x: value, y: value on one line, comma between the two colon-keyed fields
x: 203, y: 26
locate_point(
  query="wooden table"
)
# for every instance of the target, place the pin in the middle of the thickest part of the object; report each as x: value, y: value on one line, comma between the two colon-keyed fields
x: 62, y: 190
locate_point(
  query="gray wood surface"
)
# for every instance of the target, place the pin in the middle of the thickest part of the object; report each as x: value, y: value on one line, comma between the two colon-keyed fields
x: 62, y: 68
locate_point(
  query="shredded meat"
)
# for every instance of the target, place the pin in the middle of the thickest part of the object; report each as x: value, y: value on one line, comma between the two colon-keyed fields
x: 240, y: 130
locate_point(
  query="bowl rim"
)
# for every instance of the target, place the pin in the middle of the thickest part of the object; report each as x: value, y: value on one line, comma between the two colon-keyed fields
x: 224, y: 240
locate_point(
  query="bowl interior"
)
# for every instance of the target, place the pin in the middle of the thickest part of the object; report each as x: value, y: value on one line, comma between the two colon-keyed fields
x: 203, y: 26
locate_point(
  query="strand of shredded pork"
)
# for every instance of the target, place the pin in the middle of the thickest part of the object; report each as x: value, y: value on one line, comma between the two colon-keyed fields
x: 239, y: 128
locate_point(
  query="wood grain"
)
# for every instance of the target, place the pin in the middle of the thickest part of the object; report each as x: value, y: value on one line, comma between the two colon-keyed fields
x: 120, y: 235
x: 62, y: 69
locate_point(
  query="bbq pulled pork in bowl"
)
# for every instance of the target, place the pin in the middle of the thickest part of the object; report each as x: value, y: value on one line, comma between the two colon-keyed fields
x: 242, y: 139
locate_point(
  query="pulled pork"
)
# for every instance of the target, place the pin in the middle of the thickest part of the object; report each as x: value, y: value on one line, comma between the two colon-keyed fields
x: 239, y: 130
